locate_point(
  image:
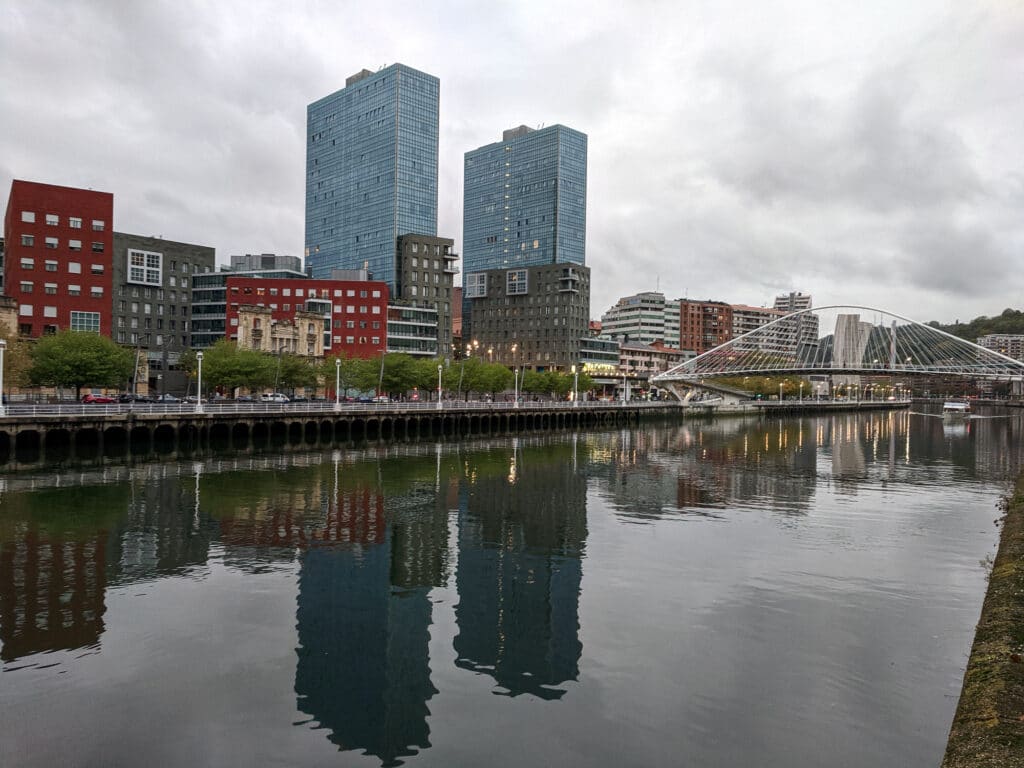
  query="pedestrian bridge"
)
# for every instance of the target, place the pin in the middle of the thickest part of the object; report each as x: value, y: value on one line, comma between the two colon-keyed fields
x: 840, y: 343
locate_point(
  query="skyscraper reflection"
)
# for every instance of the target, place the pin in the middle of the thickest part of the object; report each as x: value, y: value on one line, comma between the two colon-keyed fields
x: 521, y: 537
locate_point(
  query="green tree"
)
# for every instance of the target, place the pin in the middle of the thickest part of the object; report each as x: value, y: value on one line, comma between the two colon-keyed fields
x: 347, y: 377
x: 77, y: 359
x: 294, y: 372
x: 227, y: 366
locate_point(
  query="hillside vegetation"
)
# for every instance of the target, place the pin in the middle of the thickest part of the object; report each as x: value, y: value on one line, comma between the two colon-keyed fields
x: 1010, y: 321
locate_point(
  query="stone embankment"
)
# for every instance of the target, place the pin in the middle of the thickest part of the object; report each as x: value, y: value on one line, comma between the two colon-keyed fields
x: 988, y: 729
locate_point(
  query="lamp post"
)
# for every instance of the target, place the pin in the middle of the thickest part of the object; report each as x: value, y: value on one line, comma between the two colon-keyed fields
x: 3, y: 348
x: 575, y: 387
x: 490, y: 354
x: 801, y: 391
x: 623, y: 387
x: 337, y: 383
x: 780, y: 391
x: 199, y: 384
x: 516, y: 403
x: 439, y: 387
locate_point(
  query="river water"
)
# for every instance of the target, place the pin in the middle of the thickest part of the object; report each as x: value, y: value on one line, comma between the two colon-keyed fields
x: 797, y: 592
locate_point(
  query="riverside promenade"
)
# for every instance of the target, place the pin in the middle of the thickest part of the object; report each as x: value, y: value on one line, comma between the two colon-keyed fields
x: 34, y: 434
x: 988, y: 729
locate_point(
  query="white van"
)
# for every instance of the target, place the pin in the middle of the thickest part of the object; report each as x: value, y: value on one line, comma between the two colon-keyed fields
x: 273, y: 397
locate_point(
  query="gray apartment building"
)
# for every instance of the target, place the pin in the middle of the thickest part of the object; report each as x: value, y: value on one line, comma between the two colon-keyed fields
x: 152, y: 304
x: 425, y: 280
x: 530, y: 317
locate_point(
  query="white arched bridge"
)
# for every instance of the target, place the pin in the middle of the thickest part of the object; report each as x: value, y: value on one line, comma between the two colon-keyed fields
x: 839, y: 344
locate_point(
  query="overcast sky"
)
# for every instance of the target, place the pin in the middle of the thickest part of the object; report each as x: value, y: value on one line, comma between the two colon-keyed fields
x: 867, y: 153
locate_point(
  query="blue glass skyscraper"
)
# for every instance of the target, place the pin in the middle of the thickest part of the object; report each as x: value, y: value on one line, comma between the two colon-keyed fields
x: 371, y: 170
x: 525, y: 200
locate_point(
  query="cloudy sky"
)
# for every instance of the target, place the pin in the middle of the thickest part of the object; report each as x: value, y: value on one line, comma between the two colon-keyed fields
x: 868, y: 153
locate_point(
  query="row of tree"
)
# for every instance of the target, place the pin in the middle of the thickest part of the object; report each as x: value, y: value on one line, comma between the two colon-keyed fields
x: 75, y: 360
x: 228, y: 368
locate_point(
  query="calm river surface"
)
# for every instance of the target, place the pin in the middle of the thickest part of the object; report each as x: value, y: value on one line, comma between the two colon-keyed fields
x: 788, y: 593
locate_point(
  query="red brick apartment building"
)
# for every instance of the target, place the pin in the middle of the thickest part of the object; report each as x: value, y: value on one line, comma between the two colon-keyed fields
x: 355, y: 313
x: 704, y: 324
x: 58, y: 261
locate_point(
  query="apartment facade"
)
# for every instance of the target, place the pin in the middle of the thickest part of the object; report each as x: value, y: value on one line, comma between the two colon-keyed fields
x: 1009, y: 344
x: 530, y: 317
x: 426, y: 276
x: 371, y: 170
x: 643, y: 318
x: 353, y: 314
x: 58, y: 244
x: 704, y: 325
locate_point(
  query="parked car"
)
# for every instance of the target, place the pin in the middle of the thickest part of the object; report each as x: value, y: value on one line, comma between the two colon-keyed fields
x: 382, y: 399
x: 273, y: 397
x: 129, y: 397
x: 244, y: 399
x: 167, y: 397
x: 98, y: 399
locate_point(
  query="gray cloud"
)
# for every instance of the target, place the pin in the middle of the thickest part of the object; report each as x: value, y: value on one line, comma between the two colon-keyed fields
x: 862, y: 153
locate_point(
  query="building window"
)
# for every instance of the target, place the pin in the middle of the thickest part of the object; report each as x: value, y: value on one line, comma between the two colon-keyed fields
x: 49, y: 311
x: 51, y: 242
x: 75, y: 245
x: 97, y: 269
x: 97, y: 247
x: 28, y: 240
x: 50, y: 266
x: 515, y: 282
x: 74, y: 268
x: 376, y: 339
x: 28, y: 263
x: 29, y: 217
x: 376, y: 310
x: 98, y: 225
x: 376, y: 294
x: 144, y: 267
x: 52, y: 219
x: 476, y: 285
x: 74, y: 290
x: 25, y: 310
x: 96, y: 292
x: 74, y: 222
x: 50, y: 288
x: 25, y: 286
x: 85, y: 321
x: 350, y: 339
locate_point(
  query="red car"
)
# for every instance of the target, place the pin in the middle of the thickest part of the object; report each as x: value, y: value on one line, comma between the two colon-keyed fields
x: 99, y: 399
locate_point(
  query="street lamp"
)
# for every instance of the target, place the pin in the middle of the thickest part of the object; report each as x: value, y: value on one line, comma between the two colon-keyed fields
x: 3, y: 348
x: 516, y: 404
x: 575, y: 387
x: 780, y: 391
x: 439, y: 387
x: 199, y: 384
x: 337, y: 383
x: 801, y: 391
x: 490, y: 354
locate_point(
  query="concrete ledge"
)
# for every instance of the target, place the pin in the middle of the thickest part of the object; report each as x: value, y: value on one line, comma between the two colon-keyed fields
x: 988, y: 728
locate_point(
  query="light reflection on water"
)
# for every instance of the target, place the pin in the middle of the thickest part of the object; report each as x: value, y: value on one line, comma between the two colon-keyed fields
x: 790, y: 592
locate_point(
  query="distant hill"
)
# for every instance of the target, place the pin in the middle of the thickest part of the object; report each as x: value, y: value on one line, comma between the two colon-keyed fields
x: 1010, y: 321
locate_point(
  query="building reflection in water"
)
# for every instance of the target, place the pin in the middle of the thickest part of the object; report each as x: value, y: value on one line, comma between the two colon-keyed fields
x: 521, y: 537
x: 364, y: 609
